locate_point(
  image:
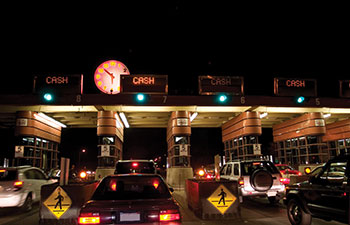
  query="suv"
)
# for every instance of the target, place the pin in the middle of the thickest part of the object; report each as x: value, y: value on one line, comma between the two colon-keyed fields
x: 21, y: 186
x: 135, y: 166
x: 255, y: 178
x: 325, y: 195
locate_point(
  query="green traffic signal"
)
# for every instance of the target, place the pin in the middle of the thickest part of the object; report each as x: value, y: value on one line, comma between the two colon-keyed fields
x: 48, y: 97
x: 300, y: 99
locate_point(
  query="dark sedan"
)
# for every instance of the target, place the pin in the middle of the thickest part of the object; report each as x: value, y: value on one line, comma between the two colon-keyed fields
x: 132, y: 198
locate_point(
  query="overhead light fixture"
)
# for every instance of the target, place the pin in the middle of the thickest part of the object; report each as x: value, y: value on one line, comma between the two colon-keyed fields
x: 125, y: 121
x: 46, y: 119
x: 327, y: 115
x: 262, y: 115
x: 119, y: 123
x: 193, y: 116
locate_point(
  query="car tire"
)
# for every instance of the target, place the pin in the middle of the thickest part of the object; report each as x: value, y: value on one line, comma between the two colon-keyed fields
x: 28, y: 204
x: 261, y: 180
x: 296, y: 214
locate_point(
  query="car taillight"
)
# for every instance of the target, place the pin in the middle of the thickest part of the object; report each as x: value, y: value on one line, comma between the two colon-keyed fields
x: 17, y: 185
x: 284, y: 180
x: 299, y: 174
x: 135, y: 164
x: 89, y: 218
x: 241, y: 181
x: 169, y: 215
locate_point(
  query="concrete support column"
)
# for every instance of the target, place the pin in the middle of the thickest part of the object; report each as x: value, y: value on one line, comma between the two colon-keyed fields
x: 110, y: 134
x: 178, y: 138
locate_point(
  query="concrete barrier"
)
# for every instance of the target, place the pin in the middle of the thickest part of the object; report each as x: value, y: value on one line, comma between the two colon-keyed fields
x: 79, y: 193
x: 210, y: 199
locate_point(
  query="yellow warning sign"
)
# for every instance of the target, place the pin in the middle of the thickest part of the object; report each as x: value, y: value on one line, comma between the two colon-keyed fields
x: 58, y: 202
x: 222, y: 199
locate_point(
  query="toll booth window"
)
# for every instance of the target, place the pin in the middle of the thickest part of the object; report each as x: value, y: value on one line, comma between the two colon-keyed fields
x: 311, y: 139
x: 38, y: 142
x: 181, y: 140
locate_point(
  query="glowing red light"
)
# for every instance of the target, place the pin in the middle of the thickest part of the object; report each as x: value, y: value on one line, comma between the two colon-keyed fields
x: 135, y: 164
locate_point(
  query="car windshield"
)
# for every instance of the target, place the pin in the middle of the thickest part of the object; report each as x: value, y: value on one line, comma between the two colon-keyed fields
x: 249, y: 167
x: 131, y: 187
x: 8, y: 175
x: 135, y: 167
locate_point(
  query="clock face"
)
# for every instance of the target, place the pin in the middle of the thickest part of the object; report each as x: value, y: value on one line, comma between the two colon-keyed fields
x: 107, y: 76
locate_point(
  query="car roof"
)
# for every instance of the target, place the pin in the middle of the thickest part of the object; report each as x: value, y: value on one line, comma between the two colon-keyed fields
x: 134, y: 175
x: 135, y: 160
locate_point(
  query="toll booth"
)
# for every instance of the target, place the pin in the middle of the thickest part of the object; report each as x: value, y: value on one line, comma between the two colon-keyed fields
x: 337, y: 137
x: 37, y: 140
x: 299, y: 141
x: 240, y: 136
x: 110, y: 135
x: 178, y: 139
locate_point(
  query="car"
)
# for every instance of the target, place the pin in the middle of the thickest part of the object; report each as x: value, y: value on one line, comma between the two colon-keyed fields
x: 20, y: 186
x: 135, y: 166
x: 325, y: 195
x: 131, y: 198
x: 256, y: 178
x: 286, y: 171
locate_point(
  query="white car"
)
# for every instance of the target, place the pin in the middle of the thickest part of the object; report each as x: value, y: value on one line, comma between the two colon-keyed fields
x: 21, y: 186
x: 255, y: 178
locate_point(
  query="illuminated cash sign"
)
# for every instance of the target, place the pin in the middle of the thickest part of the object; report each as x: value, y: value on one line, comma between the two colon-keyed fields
x: 144, y: 83
x: 344, y: 90
x: 293, y: 87
x: 211, y: 85
x: 65, y: 84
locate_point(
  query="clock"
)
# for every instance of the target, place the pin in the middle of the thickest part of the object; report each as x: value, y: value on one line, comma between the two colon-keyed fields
x: 107, y: 76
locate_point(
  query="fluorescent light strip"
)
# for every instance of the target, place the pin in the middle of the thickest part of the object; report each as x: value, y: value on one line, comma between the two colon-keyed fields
x: 326, y: 115
x: 119, y: 122
x: 48, y: 120
x: 193, y: 116
x: 262, y: 115
x: 125, y: 121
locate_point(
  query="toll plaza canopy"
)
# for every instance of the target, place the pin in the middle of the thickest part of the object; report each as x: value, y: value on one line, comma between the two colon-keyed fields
x: 220, y: 99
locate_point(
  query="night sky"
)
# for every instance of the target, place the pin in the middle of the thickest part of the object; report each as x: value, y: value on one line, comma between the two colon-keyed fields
x: 180, y: 39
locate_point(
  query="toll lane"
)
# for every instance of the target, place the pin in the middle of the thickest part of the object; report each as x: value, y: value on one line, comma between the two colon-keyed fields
x: 253, y: 211
x: 12, y: 216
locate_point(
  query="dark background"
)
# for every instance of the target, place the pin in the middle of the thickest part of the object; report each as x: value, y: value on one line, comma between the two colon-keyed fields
x: 177, y: 38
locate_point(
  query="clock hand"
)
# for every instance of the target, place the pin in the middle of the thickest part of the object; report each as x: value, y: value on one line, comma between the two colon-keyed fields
x: 109, y: 73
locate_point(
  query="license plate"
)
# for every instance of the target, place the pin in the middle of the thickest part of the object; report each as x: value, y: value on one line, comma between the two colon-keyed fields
x: 129, y: 216
x: 271, y: 193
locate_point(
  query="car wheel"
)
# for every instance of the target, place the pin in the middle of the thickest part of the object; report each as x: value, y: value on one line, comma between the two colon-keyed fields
x: 28, y: 204
x: 296, y: 215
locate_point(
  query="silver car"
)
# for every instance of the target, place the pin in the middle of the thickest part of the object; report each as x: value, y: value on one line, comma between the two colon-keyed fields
x: 21, y: 186
x: 255, y: 178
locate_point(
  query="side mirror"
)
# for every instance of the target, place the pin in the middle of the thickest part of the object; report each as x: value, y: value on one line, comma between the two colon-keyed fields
x: 171, y: 189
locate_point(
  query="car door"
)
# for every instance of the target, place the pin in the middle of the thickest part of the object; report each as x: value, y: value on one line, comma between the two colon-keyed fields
x: 40, y: 180
x: 29, y: 182
x: 326, y: 194
x: 334, y: 197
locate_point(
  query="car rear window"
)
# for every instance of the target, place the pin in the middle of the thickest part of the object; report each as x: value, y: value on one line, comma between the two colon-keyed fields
x: 131, y: 187
x: 8, y: 175
x: 249, y: 167
x: 135, y: 167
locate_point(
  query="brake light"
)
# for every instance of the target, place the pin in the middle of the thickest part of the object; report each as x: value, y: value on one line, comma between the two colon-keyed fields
x: 284, y: 180
x: 299, y: 173
x: 89, y: 218
x: 169, y: 215
x: 2, y: 171
x: 135, y: 164
x: 241, y: 181
x: 17, y: 185
x: 155, y: 184
x: 113, y: 186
